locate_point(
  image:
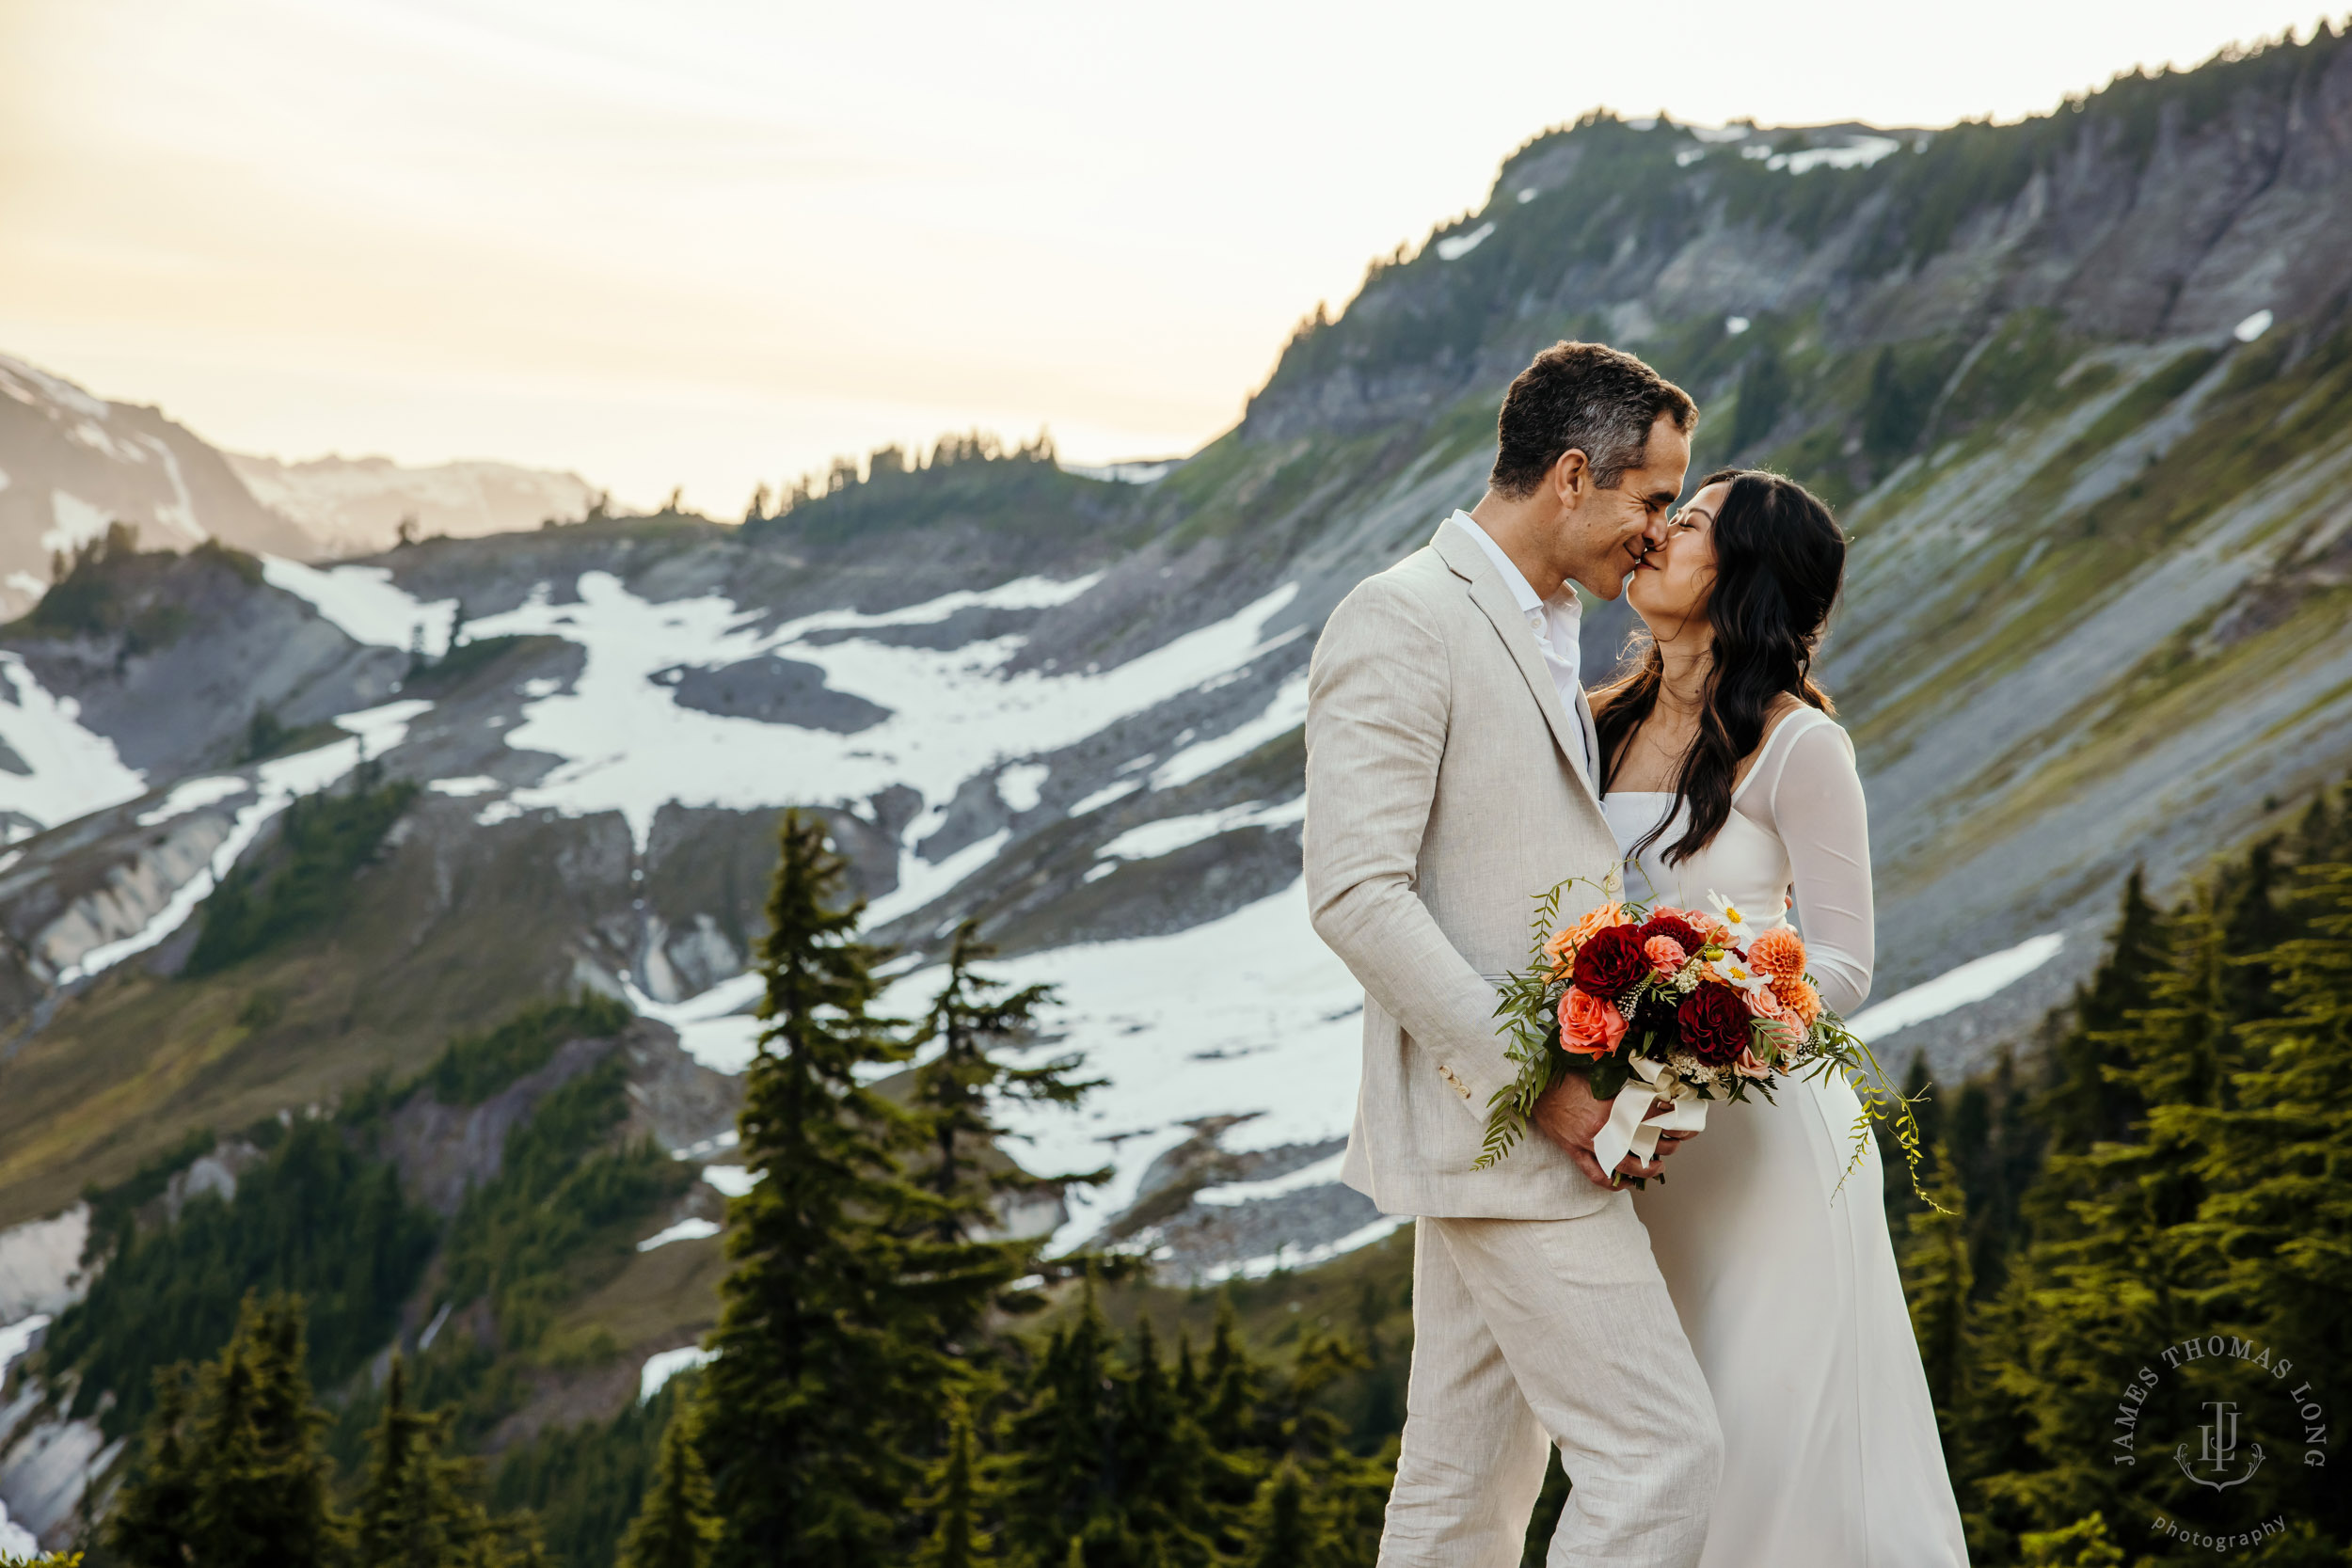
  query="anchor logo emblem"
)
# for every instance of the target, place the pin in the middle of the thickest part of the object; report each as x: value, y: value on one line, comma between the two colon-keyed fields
x: 2218, y: 1451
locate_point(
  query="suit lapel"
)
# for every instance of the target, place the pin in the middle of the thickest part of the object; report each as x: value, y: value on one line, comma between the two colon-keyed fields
x: 1463, y: 557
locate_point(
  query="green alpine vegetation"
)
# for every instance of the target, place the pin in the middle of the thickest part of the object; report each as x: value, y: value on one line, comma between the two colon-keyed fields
x: 324, y: 841
x: 2172, y: 1160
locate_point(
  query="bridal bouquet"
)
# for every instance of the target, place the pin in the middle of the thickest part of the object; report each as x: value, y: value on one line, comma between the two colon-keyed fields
x: 1690, y: 1006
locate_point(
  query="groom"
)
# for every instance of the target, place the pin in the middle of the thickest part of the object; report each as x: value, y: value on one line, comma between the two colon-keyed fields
x: 1451, y: 775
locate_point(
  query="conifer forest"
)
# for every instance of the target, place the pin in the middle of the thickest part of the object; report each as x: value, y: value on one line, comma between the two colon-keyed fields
x: 890, y: 1383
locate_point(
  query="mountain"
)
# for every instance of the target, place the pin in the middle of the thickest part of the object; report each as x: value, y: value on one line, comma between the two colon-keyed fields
x: 71, y: 464
x: 2079, y: 388
x: 354, y: 506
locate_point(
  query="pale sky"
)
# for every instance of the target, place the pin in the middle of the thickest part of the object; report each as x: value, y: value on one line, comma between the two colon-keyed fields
x: 713, y: 242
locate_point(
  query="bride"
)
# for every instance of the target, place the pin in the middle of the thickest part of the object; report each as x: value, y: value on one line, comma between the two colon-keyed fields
x: 1724, y: 773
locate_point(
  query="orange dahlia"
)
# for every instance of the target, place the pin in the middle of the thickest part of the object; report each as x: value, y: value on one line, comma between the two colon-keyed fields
x: 1800, y: 998
x: 1779, y: 953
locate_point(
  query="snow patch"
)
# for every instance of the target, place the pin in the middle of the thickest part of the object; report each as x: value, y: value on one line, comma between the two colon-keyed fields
x: 73, y: 772
x: 1106, y: 795
x: 1455, y: 246
x: 1019, y: 785
x: 1248, y: 1015
x: 364, y: 604
x: 627, y: 744
x: 277, y: 783
x: 1970, y: 983
x: 685, y: 1231
x: 660, y: 1369
x: 1284, y: 712
x: 15, y: 1540
x: 73, y: 521
x: 1303, y: 1258
x: 179, y: 514
x: 1171, y: 834
x: 734, y: 1181
x: 40, y: 1264
x: 1322, y: 1173
x: 711, y: 1027
x: 1734, y: 326
x: 1857, y: 152
x: 465, y: 788
x: 1149, y: 472
x: 16, y: 1339
x: 194, y: 795
x: 2252, y: 326
x: 27, y: 384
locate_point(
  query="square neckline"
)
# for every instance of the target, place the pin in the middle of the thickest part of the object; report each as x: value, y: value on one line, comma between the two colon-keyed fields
x: 1763, y: 755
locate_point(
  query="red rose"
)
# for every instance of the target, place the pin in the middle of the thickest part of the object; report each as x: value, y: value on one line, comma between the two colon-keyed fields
x: 1685, y: 934
x: 1611, y: 962
x: 1714, y: 1024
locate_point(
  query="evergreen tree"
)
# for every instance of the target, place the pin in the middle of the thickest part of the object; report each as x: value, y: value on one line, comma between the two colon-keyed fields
x: 154, y: 1519
x: 676, y: 1526
x: 2276, y: 1225
x: 2084, y: 1544
x: 2087, y: 1101
x: 233, y: 1472
x: 829, y: 1343
x: 1286, y: 1528
x: 957, y: 1502
x: 972, y: 1017
x: 1939, y: 1278
x: 417, y: 1507
x: 1165, y: 1461
x: 1232, y: 1383
x: 1060, y: 1480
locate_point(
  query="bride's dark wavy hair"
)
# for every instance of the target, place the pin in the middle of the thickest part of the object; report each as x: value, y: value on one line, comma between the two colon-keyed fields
x: 1780, y: 559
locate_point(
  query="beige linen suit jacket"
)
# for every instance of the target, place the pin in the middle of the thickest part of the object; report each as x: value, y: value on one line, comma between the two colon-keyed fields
x: 1445, y: 789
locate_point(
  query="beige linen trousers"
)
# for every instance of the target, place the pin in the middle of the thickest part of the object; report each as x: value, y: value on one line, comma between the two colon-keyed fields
x: 1445, y: 788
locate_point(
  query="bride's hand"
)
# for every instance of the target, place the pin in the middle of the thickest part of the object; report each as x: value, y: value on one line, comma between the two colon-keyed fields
x: 1569, y: 1116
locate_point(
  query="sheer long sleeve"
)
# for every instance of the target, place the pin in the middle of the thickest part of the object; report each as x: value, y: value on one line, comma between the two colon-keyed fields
x: 1818, y: 809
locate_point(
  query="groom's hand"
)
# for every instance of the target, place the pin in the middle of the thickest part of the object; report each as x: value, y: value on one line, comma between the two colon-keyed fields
x: 1569, y: 1116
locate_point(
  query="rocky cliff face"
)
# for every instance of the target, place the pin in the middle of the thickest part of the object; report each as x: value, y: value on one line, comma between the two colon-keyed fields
x: 2079, y: 387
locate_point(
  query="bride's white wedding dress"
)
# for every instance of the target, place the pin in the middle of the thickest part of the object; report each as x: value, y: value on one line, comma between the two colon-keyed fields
x: 1789, y: 1294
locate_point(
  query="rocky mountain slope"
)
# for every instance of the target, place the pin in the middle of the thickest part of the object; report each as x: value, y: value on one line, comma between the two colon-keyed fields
x: 2079, y: 387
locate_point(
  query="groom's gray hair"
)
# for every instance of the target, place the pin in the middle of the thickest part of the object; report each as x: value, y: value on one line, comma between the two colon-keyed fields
x: 1587, y: 398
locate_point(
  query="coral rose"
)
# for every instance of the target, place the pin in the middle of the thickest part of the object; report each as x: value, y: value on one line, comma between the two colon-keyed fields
x: 1562, y: 945
x: 1588, y: 1025
x: 1665, y: 954
x: 1779, y: 953
x: 1762, y: 1003
x: 1611, y: 962
x: 1800, y: 998
x: 1714, y: 1024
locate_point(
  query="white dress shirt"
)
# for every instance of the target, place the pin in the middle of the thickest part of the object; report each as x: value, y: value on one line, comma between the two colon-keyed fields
x: 1555, y: 622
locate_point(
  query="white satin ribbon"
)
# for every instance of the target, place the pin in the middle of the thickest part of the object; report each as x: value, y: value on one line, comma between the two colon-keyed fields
x: 1633, y: 1129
